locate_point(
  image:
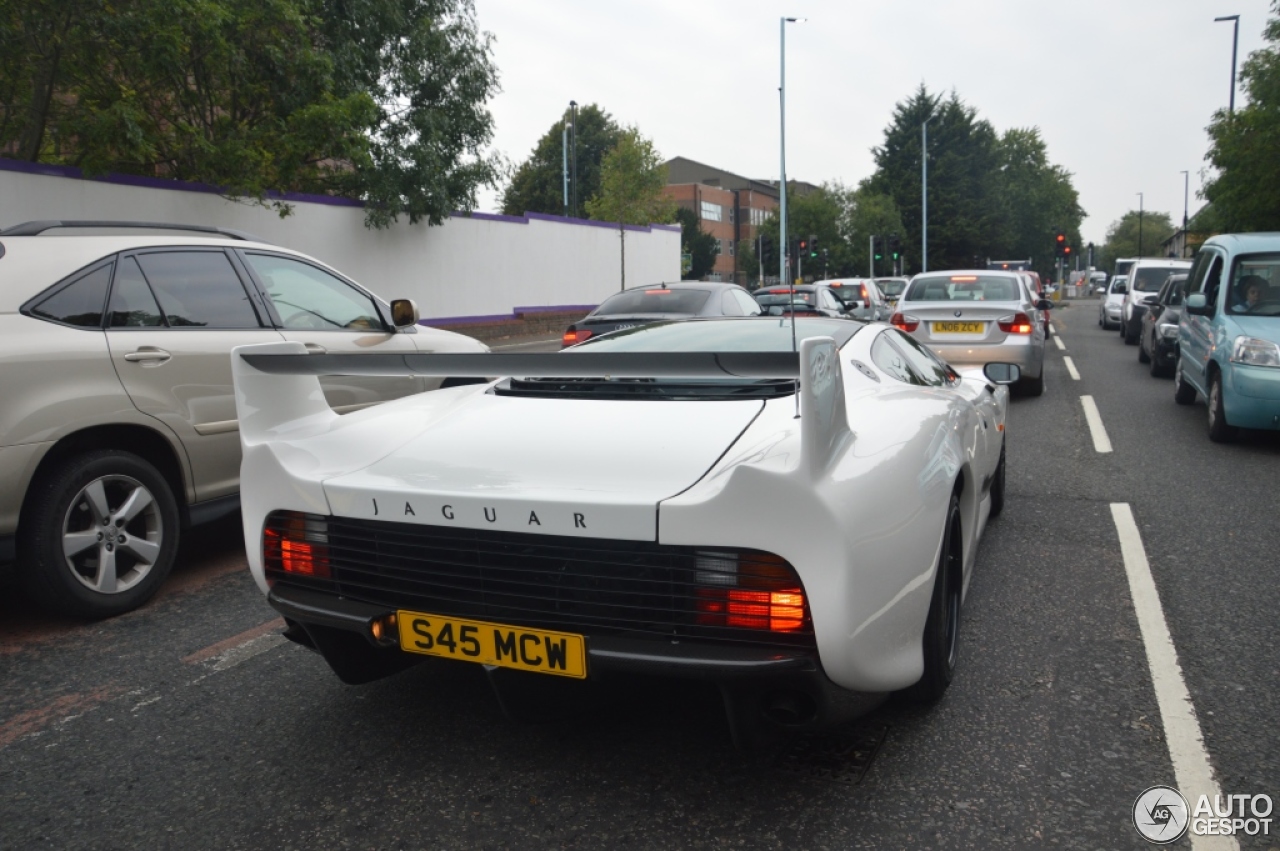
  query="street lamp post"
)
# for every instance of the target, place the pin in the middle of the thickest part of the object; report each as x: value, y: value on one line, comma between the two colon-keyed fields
x: 1140, y: 200
x: 1235, y: 42
x: 1186, y: 197
x: 573, y: 142
x: 924, y: 195
x: 782, y: 167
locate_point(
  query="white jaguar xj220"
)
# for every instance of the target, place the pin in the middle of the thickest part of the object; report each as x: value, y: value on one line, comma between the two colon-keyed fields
x: 791, y: 511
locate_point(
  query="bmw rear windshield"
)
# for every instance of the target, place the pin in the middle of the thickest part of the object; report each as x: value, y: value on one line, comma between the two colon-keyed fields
x: 963, y: 288
x: 654, y: 300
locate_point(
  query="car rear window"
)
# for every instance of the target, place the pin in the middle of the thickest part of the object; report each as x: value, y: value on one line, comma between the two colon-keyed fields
x: 891, y: 288
x: 963, y: 288
x: 80, y: 302
x: 1149, y: 279
x: 784, y: 296
x: 850, y: 292
x: 653, y: 300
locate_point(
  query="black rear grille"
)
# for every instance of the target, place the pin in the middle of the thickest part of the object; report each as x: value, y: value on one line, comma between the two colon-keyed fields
x: 588, y: 585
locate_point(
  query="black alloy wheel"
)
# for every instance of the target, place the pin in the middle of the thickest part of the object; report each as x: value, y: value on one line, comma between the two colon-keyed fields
x: 941, y: 642
x: 98, y: 535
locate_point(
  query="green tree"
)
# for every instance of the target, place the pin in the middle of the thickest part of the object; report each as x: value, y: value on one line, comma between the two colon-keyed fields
x: 1035, y: 198
x: 537, y: 185
x: 632, y: 177
x: 379, y: 100
x: 1246, y: 191
x: 1123, y: 236
x: 869, y: 214
x: 698, y: 244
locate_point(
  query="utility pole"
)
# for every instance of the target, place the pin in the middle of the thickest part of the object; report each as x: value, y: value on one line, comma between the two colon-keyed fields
x: 573, y: 141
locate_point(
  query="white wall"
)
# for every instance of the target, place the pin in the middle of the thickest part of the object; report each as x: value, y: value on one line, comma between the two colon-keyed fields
x: 485, y: 265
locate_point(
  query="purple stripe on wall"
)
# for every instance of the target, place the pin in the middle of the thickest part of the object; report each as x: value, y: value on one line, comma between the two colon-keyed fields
x: 71, y: 172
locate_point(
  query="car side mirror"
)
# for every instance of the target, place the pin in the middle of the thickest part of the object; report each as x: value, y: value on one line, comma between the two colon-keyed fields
x: 1044, y: 304
x: 404, y: 313
x: 1198, y: 305
x: 1120, y: 289
x: 1002, y: 373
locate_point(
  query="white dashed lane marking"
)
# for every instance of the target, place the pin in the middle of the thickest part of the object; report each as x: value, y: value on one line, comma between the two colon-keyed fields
x: 1101, y: 442
x: 1057, y: 341
x: 1071, y: 368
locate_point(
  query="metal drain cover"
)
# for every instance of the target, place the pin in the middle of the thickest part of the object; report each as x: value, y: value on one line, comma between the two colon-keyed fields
x: 837, y: 756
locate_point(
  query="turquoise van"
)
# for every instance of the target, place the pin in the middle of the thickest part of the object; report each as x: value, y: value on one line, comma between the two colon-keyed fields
x: 1229, y: 334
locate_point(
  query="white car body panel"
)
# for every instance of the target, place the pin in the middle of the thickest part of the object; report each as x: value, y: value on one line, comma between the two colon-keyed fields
x: 853, y: 492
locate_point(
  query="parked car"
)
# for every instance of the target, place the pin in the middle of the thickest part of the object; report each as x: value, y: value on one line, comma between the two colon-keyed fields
x: 617, y: 531
x: 118, y: 425
x: 1229, y: 334
x: 1158, y: 343
x: 1146, y: 276
x: 1040, y: 290
x: 891, y: 288
x: 806, y: 299
x: 638, y: 306
x: 1109, y: 307
x: 861, y: 298
x: 973, y: 317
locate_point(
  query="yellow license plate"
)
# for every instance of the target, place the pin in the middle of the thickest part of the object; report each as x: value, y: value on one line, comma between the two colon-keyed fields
x: 561, y: 653
x: 959, y: 327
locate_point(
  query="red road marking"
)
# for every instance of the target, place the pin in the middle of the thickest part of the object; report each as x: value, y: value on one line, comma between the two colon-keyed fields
x: 34, y: 720
x: 234, y: 641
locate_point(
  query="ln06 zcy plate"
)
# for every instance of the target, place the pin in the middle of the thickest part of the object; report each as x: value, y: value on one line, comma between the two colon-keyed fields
x: 561, y: 653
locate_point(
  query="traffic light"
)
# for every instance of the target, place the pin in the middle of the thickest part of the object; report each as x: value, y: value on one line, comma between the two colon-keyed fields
x: 768, y: 257
x: 877, y: 244
x: 1066, y: 251
x: 1060, y: 244
x: 895, y: 246
x: 813, y: 247
x: 804, y: 247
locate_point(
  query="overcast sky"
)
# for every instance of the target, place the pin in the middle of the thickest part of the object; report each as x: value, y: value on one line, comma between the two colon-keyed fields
x: 1120, y: 89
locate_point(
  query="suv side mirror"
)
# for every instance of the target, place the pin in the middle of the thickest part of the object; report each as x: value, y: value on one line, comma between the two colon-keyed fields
x: 404, y: 313
x: 1197, y: 305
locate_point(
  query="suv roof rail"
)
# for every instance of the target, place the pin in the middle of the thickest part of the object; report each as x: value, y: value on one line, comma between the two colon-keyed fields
x: 38, y: 227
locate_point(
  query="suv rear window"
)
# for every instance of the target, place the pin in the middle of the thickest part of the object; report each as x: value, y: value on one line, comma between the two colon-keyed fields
x: 1149, y: 279
x: 80, y: 302
x: 653, y: 300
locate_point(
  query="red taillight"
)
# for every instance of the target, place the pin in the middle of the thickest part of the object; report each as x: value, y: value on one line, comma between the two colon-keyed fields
x: 904, y: 322
x: 297, y: 544
x: 748, y: 591
x: 571, y: 336
x: 862, y: 291
x: 1019, y: 323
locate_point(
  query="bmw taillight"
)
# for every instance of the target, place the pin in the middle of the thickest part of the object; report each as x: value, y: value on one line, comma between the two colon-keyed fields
x: 296, y: 544
x: 904, y: 322
x: 749, y: 590
x: 1018, y: 323
x: 571, y: 336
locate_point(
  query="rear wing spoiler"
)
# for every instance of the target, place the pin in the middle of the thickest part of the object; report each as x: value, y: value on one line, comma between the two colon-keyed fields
x: 278, y: 389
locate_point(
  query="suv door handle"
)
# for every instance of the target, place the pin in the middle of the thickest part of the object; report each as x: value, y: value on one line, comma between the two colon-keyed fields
x: 148, y: 354
x: 314, y: 348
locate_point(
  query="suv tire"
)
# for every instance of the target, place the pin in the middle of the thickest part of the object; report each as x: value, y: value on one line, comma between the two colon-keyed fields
x: 99, y: 534
x: 1219, y: 430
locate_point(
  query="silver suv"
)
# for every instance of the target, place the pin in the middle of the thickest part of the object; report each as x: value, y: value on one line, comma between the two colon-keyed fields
x: 118, y: 426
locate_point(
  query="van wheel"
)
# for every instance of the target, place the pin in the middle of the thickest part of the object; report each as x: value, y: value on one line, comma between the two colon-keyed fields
x: 1219, y: 430
x: 99, y: 536
x: 1183, y: 393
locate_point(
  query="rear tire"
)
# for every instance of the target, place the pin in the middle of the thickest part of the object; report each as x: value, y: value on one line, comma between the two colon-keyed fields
x: 1143, y: 357
x: 1183, y: 393
x: 99, y: 534
x: 1129, y: 334
x: 941, y: 641
x: 1032, y: 386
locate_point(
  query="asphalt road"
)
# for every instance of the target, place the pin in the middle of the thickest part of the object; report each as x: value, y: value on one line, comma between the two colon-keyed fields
x: 192, y: 724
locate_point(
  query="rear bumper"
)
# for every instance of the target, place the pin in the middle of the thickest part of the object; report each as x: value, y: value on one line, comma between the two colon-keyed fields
x: 755, y: 680
x: 1029, y: 358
